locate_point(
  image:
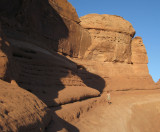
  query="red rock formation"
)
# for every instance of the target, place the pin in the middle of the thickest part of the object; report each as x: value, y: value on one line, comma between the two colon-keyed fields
x: 111, y: 36
x: 139, y: 54
x: 61, y: 62
x: 36, y: 30
x: 21, y: 110
x: 5, y: 54
x: 65, y: 9
x: 119, y: 59
x: 53, y: 78
x: 39, y: 22
x: 158, y: 84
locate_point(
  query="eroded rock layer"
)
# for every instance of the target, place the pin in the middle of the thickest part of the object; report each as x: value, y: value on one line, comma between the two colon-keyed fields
x: 111, y: 37
x: 5, y: 57
x: 139, y: 54
x: 114, y: 53
x: 21, y: 111
x: 62, y: 59
x: 52, y: 77
x: 41, y: 33
x: 52, y: 25
x: 158, y: 84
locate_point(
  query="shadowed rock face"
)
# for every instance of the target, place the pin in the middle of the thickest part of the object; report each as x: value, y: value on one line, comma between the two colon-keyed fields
x: 41, y: 34
x: 61, y: 62
x: 37, y: 30
x: 39, y: 22
x: 65, y: 9
x: 21, y: 111
x: 5, y: 57
x: 52, y: 77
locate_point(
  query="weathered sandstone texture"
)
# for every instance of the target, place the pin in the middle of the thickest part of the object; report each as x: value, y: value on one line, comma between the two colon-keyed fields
x: 158, y: 84
x: 53, y: 25
x: 62, y: 59
x: 5, y: 54
x: 55, y: 79
x: 111, y: 37
x: 139, y: 54
x: 37, y: 30
x: 114, y: 54
x: 21, y: 111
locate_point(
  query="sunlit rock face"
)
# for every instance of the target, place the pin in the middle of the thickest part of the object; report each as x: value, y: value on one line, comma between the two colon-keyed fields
x: 48, y: 51
x: 158, y: 84
x: 53, y: 48
x: 139, y: 54
x: 111, y: 37
x: 119, y: 57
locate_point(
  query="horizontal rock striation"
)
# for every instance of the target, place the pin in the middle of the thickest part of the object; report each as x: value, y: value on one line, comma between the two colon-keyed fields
x: 114, y: 54
x: 111, y: 37
x: 41, y: 34
x: 47, y: 50
x: 52, y: 77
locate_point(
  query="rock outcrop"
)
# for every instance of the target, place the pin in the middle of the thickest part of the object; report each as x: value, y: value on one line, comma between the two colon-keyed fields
x: 52, y: 77
x: 21, y: 111
x: 53, y: 25
x: 111, y: 37
x: 115, y: 54
x: 138, y: 51
x: 158, y: 84
x: 40, y: 33
x: 5, y: 56
x: 48, y: 51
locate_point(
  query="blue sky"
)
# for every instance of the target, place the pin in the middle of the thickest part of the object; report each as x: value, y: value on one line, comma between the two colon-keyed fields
x: 144, y: 16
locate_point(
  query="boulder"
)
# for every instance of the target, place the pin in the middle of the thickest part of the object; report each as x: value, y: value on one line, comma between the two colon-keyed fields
x: 21, y: 111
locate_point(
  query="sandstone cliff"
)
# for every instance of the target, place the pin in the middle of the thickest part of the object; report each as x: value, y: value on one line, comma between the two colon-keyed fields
x: 47, y: 50
x: 120, y: 58
x: 52, y: 25
x: 40, y: 35
x: 111, y: 37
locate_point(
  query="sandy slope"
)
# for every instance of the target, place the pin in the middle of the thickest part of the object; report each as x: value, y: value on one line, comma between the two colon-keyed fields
x: 131, y: 111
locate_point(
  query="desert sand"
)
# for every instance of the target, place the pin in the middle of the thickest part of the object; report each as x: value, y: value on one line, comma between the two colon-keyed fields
x: 130, y: 111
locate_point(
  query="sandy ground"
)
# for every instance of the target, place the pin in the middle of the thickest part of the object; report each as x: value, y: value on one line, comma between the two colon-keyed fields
x: 130, y: 111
